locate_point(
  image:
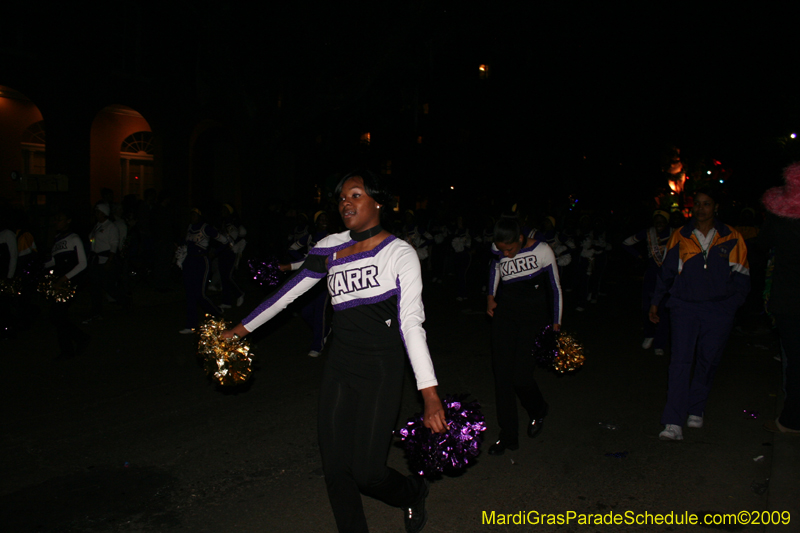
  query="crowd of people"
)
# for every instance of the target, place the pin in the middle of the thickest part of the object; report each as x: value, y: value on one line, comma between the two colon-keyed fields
x: 697, y: 273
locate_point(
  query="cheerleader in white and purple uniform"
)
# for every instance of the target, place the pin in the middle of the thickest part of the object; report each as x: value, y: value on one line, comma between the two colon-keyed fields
x: 68, y: 263
x: 520, y: 309
x: 376, y: 290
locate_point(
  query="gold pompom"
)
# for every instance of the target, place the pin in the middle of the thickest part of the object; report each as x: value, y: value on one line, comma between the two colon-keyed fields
x: 570, y: 354
x: 60, y: 294
x: 229, y: 361
x: 11, y: 287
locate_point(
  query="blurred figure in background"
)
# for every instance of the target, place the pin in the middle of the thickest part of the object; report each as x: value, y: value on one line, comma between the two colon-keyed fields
x: 68, y: 263
x: 781, y: 233
x: 655, y: 238
x: 196, y: 268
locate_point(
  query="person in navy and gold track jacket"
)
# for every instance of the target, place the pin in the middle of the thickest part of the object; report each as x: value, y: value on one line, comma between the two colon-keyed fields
x: 706, y: 274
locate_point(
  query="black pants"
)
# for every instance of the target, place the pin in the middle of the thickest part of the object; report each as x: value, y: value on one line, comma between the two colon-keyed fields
x: 195, y: 277
x: 70, y: 336
x: 790, y: 340
x: 104, y: 279
x: 358, y: 408
x: 230, y: 290
x: 513, y: 335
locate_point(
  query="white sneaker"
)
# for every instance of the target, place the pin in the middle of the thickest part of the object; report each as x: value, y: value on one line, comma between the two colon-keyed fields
x: 186, y: 331
x: 648, y: 343
x: 313, y: 353
x: 671, y: 432
x: 694, y: 421
x: 659, y: 351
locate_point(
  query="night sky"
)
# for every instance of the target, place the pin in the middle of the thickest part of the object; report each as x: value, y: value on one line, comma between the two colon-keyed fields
x: 576, y: 99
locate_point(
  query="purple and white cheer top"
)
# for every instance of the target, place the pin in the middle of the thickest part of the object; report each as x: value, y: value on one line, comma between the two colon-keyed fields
x: 525, y: 278
x: 376, y: 296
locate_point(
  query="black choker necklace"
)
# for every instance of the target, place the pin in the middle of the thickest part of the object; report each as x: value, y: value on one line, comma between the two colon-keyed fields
x: 364, y: 235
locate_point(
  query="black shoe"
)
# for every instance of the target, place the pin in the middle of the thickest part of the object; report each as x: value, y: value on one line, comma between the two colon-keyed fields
x: 416, y: 517
x: 499, y: 447
x: 536, y: 424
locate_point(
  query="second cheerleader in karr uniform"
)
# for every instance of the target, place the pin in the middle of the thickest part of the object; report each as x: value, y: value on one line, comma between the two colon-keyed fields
x: 521, y: 308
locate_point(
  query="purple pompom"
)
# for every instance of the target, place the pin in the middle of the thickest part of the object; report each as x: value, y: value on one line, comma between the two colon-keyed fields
x: 432, y: 453
x: 265, y: 273
x: 545, y: 347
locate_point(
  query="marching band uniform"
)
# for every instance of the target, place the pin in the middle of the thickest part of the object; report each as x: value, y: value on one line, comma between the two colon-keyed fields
x: 104, y: 243
x: 196, y: 269
x: 655, y: 334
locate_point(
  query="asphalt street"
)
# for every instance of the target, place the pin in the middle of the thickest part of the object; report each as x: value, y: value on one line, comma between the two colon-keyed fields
x: 132, y: 436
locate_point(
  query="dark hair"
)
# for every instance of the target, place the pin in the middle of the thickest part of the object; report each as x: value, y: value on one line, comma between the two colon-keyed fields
x: 507, y: 230
x: 709, y: 188
x: 64, y: 210
x: 372, y: 185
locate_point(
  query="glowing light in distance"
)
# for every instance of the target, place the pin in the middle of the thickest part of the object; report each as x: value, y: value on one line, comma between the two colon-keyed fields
x: 709, y: 172
x: 793, y: 136
x: 722, y: 181
x: 452, y: 188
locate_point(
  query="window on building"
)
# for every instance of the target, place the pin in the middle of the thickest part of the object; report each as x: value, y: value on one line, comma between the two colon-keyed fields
x: 33, y: 149
x: 136, y: 163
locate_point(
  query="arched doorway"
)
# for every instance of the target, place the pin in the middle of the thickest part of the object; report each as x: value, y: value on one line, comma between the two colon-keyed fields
x: 122, y: 153
x: 22, y: 143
